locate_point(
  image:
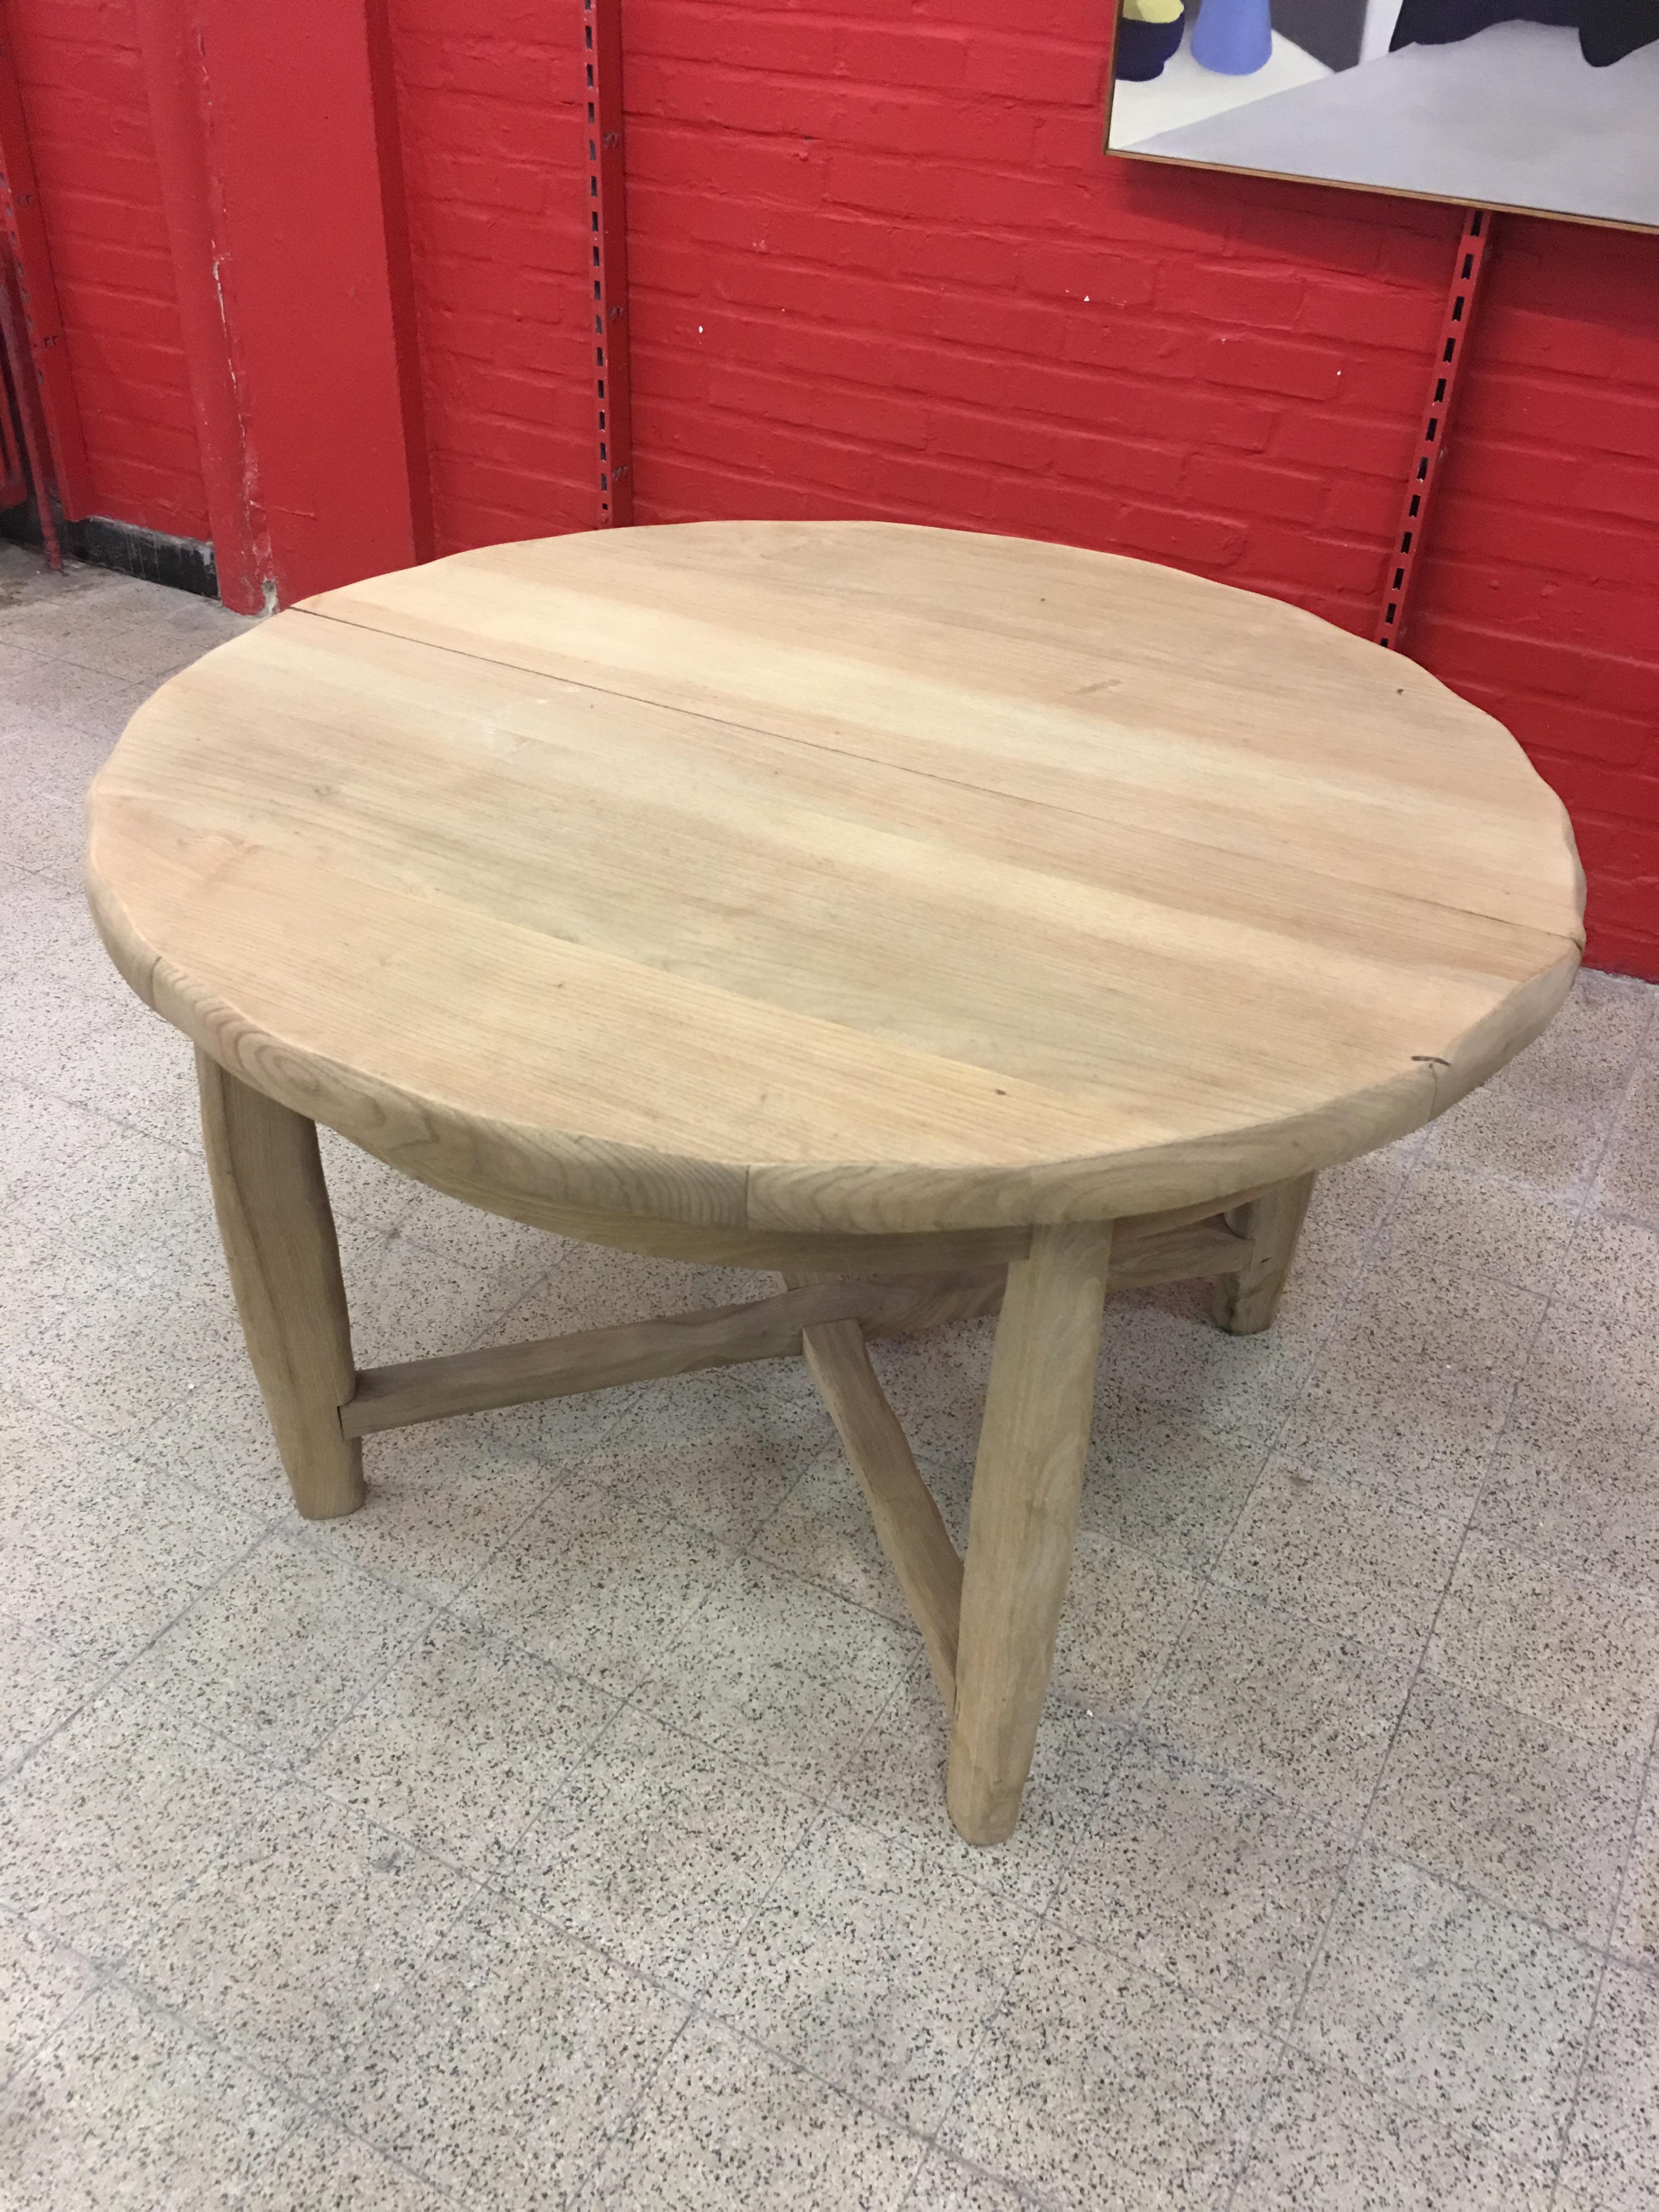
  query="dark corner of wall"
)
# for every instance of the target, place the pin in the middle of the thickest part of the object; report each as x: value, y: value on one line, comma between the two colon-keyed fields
x: 186, y: 564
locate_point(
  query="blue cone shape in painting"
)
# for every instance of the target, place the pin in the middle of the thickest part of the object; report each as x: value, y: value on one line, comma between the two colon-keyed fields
x: 1233, y: 37
x: 1143, y: 49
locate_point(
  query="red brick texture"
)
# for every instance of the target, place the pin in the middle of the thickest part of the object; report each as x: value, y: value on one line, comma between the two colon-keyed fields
x: 84, y: 104
x: 880, y: 266
x: 489, y: 109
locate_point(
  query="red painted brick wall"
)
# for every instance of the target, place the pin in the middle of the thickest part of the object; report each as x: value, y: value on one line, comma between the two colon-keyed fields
x: 880, y: 266
x: 84, y: 103
x: 489, y: 112
x: 887, y: 268
x: 1542, y: 599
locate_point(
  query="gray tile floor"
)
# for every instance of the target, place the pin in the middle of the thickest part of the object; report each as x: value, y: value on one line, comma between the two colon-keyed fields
x: 565, y: 1827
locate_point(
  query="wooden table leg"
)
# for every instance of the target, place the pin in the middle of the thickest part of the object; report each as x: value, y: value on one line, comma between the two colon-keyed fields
x: 1027, y: 1480
x: 1246, y: 1303
x: 278, y: 1235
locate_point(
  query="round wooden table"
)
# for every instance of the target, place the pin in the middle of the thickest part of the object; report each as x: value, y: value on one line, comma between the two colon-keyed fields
x: 954, y: 924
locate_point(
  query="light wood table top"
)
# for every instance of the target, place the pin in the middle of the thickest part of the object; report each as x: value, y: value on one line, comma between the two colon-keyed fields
x: 834, y: 876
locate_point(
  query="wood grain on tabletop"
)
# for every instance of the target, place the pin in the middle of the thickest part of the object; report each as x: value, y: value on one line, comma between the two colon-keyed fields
x: 833, y: 876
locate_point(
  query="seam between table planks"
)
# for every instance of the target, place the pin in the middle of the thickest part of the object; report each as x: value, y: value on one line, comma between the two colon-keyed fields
x: 790, y: 738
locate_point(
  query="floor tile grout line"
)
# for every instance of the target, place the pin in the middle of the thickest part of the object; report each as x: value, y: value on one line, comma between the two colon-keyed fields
x: 1395, y: 2103
x: 152, y: 678
x: 668, y: 1509
x: 620, y: 1704
x: 819, y: 1809
x: 1590, y: 1947
x: 54, y: 722
x: 295, y: 1771
x: 1317, y: 1952
x: 314, y: 1536
x: 698, y: 2011
x: 1281, y: 2040
x: 120, y: 1972
x: 122, y: 1667
x: 632, y: 1698
x: 126, y: 1446
x: 133, y: 1446
x: 122, y: 1122
x: 276, y: 1529
x: 500, y: 1877
x: 1647, y: 1797
x: 493, y: 1894
x: 1376, y: 1495
x: 25, y: 1081
x: 1563, y: 2144
x: 823, y: 1813
x: 450, y: 1608
x: 585, y: 2190
x: 1362, y: 1831
x: 308, y: 2106
x: 100, y: 1975
x: 1270, y: 2041
x: 984, y: 2037
x: 1306, y: 1808
x: 1043, y: 1919
x: 1022, y: 2192
x: 509, y: 1889
x: 1644, y: 1596
x: 397, y: 1651
x: 1645, y: 1602
x: 544, y: 1277
x: 1273, y: 1439
x: 28, y: 868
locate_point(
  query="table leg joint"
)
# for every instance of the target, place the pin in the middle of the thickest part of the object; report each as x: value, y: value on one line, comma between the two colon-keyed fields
x: 1267, y: 1230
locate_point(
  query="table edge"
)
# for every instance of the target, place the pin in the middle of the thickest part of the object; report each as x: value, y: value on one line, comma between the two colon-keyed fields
x: 523, y: 1172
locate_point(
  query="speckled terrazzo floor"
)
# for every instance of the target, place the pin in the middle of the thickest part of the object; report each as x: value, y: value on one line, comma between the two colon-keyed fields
x: 566, y: 1828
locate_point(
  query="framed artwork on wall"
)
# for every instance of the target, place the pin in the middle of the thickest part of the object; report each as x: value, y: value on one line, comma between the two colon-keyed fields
x: 1549, y: 106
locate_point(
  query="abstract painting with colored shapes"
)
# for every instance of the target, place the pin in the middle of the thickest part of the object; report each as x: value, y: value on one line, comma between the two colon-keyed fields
x: 1548, y: 106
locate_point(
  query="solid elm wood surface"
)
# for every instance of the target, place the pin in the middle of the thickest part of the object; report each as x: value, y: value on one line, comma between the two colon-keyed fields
x: 833, y: 876
x: 432, y: 1389
x: 992, y: 922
